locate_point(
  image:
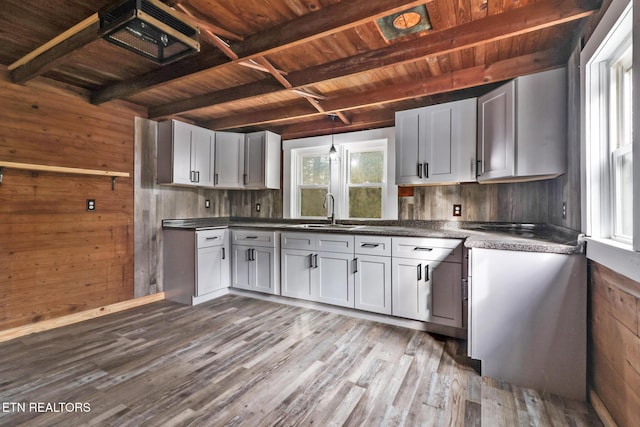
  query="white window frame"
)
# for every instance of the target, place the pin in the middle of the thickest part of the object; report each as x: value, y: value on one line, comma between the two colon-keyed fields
x: 362, y: 147
x: 300, y: 154
x: 596, y: 156
x: 343, y: 142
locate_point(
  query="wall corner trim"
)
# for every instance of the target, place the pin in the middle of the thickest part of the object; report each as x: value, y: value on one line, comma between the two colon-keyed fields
x: 46, y: 325
x: 601, y: 409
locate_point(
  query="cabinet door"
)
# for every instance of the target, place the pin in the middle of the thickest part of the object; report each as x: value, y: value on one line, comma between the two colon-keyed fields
x: 438, y: 162
x: 209, y: 270
x: 240, y: 267
x: 254, y: 159
x: 446, y: 294
x: 496, y: 138
x: 410, y: 136
x: 262, y: 274
x: 373, y: 284
x: 296, y: 271
x: 181, y: 153
x: 202, y: 154
x: 411, y: 296
x: 229, y: 157
x: 335, y: 279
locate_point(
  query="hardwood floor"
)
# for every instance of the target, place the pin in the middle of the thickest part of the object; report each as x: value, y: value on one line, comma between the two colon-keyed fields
x: 244, y: 362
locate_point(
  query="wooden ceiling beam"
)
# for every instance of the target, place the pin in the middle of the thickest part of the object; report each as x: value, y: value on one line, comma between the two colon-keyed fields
x: 321, y: 23
x: 514, y: 22
x: 509, y: 24
x: 331, y: 19
x: 465, y: 78
x: 49, y: 54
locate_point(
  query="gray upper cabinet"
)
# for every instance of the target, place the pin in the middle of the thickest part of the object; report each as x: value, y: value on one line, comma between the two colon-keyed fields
x: 229, y: 160
x: 195, y: 156
x: 185, y: 154
x: 262, y: 160
x: 522, y: 129
x: 436, y: 144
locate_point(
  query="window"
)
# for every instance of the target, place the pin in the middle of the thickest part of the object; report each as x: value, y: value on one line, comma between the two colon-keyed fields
x: 610, y: 156
x: 359, y: 178
x: 620, y: 102
x: 313, y: 183
x: 365, y: 182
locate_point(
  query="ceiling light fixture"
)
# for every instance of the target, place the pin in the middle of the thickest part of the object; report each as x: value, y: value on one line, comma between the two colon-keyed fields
x: 333, y: 153
x: 149, y: 28
x: 403, y: 23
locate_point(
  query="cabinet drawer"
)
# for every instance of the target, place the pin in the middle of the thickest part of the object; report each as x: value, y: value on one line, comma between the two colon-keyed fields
x: 253, y: 238
x: 340, y: 243
x: 208, y: 238
x: 449, y: 250
x: 298, y: 241
x: 373, y: 245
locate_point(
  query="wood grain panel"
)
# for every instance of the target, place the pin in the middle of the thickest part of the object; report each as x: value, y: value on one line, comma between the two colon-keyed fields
x: 56, y: 257
x: 614, y: 345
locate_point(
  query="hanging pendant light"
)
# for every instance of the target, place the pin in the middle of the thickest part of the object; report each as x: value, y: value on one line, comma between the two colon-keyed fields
x: 333, y: 153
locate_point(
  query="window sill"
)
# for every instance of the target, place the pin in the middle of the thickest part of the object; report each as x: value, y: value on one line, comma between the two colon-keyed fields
x: 614, y: 255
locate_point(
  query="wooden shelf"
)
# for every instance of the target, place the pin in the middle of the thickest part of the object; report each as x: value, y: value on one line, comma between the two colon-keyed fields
x: 61, y: 169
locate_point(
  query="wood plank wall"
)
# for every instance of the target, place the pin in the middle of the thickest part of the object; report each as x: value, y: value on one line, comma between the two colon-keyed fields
x: 154, y: 202
x: 55, y: 257
x: 614, y: 343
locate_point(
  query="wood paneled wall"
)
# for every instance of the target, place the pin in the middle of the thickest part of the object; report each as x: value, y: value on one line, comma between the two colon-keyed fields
x: 55, y: 257
x: 154, y: 202
x: 517, y: 202
x: 614, y: 343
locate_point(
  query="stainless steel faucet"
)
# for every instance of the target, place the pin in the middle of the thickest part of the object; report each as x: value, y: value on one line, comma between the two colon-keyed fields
x: 333, y: 207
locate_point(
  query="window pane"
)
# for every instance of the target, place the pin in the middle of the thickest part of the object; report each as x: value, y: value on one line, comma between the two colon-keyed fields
x: 311, y: 202
x: 367, y: 167
x: 624, y: 196
x: 315, y: 170
x: 365, y: 202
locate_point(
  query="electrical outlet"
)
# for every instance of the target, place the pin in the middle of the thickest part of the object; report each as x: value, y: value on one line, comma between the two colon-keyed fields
x: 257, y: 207
x: 564, y: 210
x: 207, y: 203
x: 457, y: 210
x: 91, y: 205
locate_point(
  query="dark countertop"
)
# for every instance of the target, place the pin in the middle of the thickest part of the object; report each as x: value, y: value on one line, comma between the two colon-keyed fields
x: 488, y: 235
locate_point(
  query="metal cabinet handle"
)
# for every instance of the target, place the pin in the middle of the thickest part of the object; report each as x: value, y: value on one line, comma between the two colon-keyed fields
x: 251, y: 237
x: 248, y: 254
x: 310, y: 260
x: 419, y: 170
x: 370, y: 245
x: 315, y: 261
x: 253, y: 254
x: 426, y: 169
x: 192, y: 176
x: 465, y: 295
x: 224, y: 255
x: 426, y: 273
x: 211, y: 238
x: 422, y: 248
x: 479, y: 170
x: 355, y: 265
x: 419, y: 271
x: 245, y: 179
x: 215, y: 179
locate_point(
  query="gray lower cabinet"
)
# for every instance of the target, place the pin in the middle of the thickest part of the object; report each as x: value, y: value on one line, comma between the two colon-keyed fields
x: 326, y: 275
x: 255, y: 261
x: 196, y: 264
x: 373, y: 274
x: 427, y: 280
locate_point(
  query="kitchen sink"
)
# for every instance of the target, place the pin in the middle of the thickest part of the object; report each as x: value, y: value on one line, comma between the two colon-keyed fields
x: 328, y: 226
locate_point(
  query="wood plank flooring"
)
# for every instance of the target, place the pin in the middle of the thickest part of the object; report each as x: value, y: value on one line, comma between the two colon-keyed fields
x: 239, y: 361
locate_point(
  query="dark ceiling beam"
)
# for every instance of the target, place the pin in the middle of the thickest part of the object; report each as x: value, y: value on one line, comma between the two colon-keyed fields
x: 512, y: 23
x: 321, y: 23
x: 329, y: 20
x: 208, y: 57
x: 509, y: 24
x: 49, y: 54
x: 374, y: 119
x: 457, y: 80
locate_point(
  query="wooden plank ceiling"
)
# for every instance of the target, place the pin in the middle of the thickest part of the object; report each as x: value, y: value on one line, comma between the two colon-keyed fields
x: 290, y: 65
